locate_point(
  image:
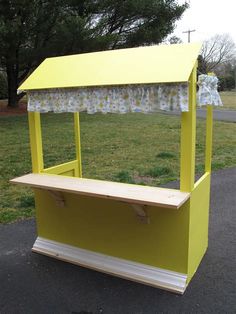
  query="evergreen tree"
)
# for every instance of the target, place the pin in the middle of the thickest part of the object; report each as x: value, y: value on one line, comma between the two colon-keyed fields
x: 31, y: 30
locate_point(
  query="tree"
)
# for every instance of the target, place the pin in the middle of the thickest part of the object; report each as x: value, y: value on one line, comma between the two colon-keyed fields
x: 217, y: 50
x: 25, y: 29
x: 31, y: 30
x: 227, y: 75
x: 173, y: 40
x: 3, y: 85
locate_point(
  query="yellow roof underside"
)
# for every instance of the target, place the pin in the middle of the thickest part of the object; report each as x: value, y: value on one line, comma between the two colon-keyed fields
x: 143, y: 65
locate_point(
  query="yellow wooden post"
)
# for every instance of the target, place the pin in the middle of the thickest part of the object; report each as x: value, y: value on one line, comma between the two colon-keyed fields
x: 209, y: 127
x: 35, y: 141
x: 77, y: 142
x: 188, y: 138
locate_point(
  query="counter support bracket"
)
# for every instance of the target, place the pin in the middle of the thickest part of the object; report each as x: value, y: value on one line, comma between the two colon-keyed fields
x: 141, y: 213
x: 58, y: 196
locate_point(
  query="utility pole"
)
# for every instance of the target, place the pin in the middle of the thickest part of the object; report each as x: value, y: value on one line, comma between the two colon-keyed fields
x: 189, y: 32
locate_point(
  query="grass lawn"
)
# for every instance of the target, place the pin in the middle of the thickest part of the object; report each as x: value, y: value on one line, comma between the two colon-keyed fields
x: 133, y: 148
x: 228, y: 99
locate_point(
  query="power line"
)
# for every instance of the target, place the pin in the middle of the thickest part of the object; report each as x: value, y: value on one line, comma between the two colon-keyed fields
x: 189, y: 32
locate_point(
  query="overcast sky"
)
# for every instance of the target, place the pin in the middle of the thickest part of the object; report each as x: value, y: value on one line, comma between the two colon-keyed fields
x: 207, y: 17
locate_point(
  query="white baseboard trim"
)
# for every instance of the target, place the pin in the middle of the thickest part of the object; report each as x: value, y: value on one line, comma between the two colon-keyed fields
x: 138, y: 272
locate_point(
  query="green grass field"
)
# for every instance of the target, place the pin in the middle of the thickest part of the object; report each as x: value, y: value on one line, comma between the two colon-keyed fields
x: 133, y: 148
x: 228, y: 99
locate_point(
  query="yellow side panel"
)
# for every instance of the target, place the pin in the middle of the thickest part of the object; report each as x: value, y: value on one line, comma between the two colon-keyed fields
x: 112, y: 228
x: 67, y: 169
x: 69, y: 173
x: 153, y: 64
x: 198, y: 229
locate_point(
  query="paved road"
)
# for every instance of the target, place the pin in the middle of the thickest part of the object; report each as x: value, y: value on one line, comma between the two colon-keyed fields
x: 32, y: 283
x: 222, y: 115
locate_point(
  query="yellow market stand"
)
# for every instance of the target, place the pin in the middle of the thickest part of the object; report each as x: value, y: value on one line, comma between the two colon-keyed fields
x: 152, y: 235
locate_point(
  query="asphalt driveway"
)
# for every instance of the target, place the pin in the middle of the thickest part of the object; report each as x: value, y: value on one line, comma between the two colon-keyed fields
x: 32, y: 283
x: 220, y: 115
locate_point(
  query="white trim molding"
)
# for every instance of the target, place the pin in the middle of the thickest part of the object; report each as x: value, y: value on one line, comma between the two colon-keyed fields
x: 153, y: 276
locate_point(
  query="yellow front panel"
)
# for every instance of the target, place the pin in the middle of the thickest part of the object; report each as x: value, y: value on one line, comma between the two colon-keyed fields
x: 112, y: 228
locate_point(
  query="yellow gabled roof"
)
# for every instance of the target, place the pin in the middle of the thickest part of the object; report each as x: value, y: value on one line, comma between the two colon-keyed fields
x: 143, y: 65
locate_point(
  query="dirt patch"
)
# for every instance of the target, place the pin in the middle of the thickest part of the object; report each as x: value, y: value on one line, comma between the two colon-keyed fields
x: 8, y: 111
x: 146, y: 180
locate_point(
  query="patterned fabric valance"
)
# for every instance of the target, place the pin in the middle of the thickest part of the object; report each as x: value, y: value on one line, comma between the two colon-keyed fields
x: 114, y: 99
x: 207, y: 93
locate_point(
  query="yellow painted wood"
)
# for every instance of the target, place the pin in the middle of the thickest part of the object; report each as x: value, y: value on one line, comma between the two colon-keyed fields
x: 134, y: 194
x: 188, y: 138
x: 35, y: 141
x: 209, y: 130
x: 143, y: 65
x: 99, y: 215
x: 77, y: 144
x: 111, y: 227
x: 70, y: 167
x: 198, y: 223
x: 201, y: 179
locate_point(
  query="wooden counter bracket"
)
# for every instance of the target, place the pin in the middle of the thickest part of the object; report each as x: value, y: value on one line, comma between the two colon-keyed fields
x: 141, y: 213
x: 58, y: 196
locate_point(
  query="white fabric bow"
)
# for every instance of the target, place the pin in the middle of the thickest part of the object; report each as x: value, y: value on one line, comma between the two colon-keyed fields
x: 207, y: 93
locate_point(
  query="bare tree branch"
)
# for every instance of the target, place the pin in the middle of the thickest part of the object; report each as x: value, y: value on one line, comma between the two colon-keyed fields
x: 217, y: 50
